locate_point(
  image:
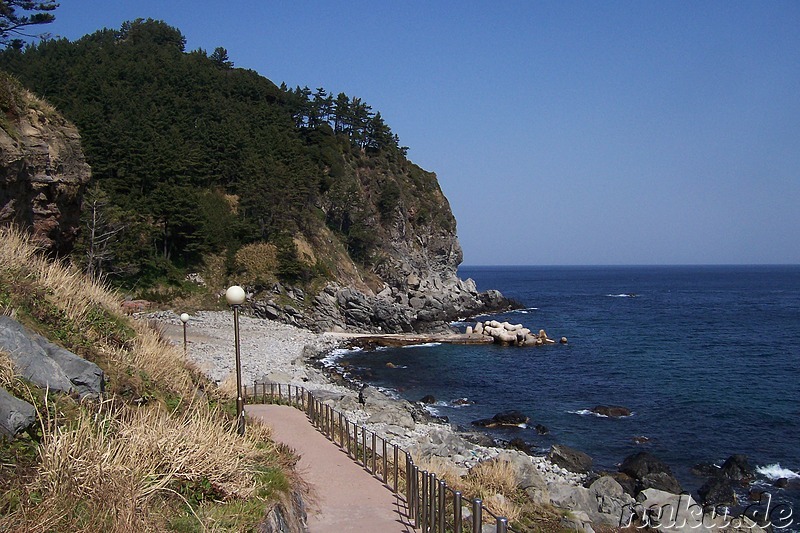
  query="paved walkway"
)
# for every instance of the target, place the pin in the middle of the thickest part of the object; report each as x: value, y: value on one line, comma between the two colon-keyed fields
x: 345, y: 497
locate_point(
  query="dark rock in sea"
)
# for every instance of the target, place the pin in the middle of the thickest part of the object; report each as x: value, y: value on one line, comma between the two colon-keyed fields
x: 428, y: 398
x: 520, y: 444
x: 717, y: 491
x: 462, y: 401
x: 737, y: 468
x: 754, y: 495
x: 541, y: 430
x: 640, y: 464
x: 650, y: 472
x: 705, y: 470
x: 661, y: 481
x: 781, y: 483
x: 641, y: 439
x: 504, y: 419
x: 611, y: 411
x: 572, y: 460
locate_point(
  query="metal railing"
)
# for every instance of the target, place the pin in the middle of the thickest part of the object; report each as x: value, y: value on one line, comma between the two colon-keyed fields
x: 431, y: 506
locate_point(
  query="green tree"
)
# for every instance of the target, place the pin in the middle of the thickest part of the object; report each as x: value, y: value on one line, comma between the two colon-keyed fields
x: 14, y: 25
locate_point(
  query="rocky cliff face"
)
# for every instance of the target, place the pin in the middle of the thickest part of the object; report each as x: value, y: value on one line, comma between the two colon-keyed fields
x: 42, y: 169
x: 412, y: 284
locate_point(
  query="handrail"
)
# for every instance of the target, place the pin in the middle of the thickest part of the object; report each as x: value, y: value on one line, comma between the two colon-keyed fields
x: 432, y: 505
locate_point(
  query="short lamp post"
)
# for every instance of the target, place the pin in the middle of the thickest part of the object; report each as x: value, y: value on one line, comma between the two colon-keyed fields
x: 235, y: 298
x: 184, y: 319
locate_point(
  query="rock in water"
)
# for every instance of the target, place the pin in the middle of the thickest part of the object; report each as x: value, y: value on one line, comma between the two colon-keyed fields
x: 737, y: 468
x: 717, y: 491
x: 428, y: 398
x: 611, y: 411
x: 504, y: 419
x: 571, y: 459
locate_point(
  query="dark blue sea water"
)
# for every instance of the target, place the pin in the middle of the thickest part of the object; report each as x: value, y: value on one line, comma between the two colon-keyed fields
x: 707, y: 357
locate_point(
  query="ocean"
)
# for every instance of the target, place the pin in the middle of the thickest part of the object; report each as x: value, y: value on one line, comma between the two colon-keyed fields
x: 706, y: 357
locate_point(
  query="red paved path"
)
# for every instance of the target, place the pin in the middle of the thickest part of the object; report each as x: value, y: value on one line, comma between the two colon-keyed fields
x: 345, y: 497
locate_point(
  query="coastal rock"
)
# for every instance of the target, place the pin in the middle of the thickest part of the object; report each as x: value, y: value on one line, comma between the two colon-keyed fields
x: 717, y: 491
x: 428, y: 398
x: 47, y: 365
x: 737, y: 468
x: 571, y: 459
x: 526, y: 476
x: 504, y: 419
x: 611, y: 411
x: 611, y: 501
x: 649, y: 472
x: 641, y: 464
x: 15, y: 415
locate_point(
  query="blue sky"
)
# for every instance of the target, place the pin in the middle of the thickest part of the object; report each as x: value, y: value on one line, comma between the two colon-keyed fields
x: 625, y: 132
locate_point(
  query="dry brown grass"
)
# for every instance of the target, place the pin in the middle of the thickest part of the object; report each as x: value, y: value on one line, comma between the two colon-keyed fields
x: 492, y: 481
x: 120, y: 464
x: 7, y: 372
x: 113, y: 466
x: 258, y: 263
x: 71, y: 291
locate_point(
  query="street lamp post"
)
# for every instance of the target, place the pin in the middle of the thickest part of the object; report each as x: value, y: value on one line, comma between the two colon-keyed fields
x: 235, y: 298
x: 184, y: 319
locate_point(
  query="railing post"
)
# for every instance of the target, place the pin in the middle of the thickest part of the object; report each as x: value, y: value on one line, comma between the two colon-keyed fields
x: 364, y: 448
x: 374, y: 449
x: 432, y: 484
x: 396, y: 467
x: 385, y: 461
x: 457, y: 525
x: 477, y: 515
x: 442, y: 504
x: 424, y: 503
x: 415, y: 494
x: 502, y: 524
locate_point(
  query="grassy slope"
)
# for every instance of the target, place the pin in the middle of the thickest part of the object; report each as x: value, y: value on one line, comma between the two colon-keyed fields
x: 159, y: 452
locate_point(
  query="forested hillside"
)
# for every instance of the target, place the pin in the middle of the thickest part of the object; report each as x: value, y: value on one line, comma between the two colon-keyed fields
x: 193, y: 159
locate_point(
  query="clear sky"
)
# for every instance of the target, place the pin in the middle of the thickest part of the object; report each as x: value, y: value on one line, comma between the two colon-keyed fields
x: 624, y: 132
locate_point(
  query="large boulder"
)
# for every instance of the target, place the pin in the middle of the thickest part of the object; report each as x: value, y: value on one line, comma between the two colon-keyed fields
x: 504, y: 419
x: 569, y: 458
x: 650, y: 472
x: 15, y: 415
x: 717, y: 491
x: 737, y: 468
x: 47, y: 365
x: 611, y: 411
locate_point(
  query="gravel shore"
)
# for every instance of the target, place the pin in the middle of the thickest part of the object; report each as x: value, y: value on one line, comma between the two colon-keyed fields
x: 279, y: 353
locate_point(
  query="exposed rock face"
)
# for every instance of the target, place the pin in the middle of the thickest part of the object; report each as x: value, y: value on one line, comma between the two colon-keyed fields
x: 572, y: 460
x: 43, y: 172
x: 46, y: 364
x: 391, y: 311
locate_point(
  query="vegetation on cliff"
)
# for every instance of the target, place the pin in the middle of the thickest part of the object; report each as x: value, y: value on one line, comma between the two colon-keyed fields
x: 193, y: 159
x: 158, y: 452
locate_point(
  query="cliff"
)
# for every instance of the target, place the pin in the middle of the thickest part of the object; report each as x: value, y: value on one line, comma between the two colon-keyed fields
x: 42, y: 169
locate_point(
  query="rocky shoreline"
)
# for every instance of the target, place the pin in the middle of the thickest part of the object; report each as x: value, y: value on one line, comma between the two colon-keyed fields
x: 279, y: 353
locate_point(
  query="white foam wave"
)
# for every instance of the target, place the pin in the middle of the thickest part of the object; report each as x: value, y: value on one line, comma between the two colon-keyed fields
x: 624, y: 295
x: 587, y: 412
x: 525, y: 311
x: 776, y: 471
x: 338, y: 353
x: 424, y: 345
